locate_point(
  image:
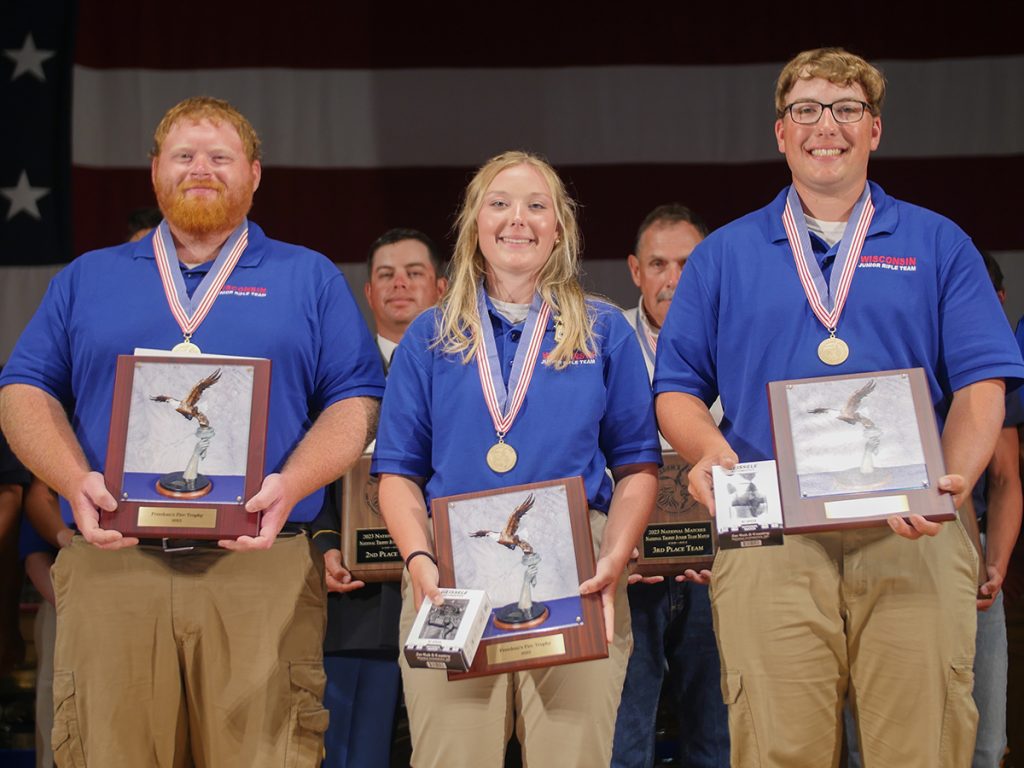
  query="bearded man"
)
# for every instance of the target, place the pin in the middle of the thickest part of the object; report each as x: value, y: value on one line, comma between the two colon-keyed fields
x: 206, y: 654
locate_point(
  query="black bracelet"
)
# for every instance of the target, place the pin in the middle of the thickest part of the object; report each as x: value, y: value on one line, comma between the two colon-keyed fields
x: 417, y: 553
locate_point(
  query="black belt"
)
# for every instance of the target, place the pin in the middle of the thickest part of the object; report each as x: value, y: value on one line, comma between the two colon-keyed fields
x: 179, y: 545
x: 168, y: 544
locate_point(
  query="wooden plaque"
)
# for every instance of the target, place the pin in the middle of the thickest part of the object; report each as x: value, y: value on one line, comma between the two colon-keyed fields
x: 488, y: 540
x: 367, y: 549
x: 681, y: 533
x: 186, y: 447
x: 854, y: 450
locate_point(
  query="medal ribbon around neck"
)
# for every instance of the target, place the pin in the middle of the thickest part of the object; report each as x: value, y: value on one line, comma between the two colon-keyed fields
x: 502, y: 407
x: 189, y: 312
x: 827, y: 302
x: 648, y: 341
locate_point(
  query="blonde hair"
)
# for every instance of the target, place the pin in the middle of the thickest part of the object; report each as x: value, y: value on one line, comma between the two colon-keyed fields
x: 558, y: 283
x: 215, y: 110
x: 836, y: 65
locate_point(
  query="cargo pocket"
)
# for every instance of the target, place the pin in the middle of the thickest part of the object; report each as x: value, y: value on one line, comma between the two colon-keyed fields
x: 742, y: 736
x: 308, y: 718
x: 959, y: 717
x: 66, y: 739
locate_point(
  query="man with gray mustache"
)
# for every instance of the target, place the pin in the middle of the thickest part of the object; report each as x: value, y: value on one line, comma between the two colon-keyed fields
x: 671, y: 620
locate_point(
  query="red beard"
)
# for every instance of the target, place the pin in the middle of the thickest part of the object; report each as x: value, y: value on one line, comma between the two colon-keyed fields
x: 200, y: 215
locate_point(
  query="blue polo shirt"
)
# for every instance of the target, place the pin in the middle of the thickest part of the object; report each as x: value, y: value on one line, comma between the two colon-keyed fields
x: 594, y: 414
x: 281, y: 302
x: 920, y: 298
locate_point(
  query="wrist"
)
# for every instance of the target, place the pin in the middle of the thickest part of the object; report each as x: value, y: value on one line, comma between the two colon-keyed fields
x: 420, y: 553
x: 75, y: 484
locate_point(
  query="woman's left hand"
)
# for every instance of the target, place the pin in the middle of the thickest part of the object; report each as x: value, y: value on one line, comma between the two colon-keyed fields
x: 605, y: 579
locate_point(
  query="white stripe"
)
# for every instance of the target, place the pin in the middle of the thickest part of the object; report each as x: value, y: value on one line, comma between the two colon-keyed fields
x: 575, y: 115
x: 503, y: 422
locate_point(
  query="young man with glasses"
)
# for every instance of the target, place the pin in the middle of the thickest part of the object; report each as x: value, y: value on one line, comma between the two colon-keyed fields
x: 884, y: 613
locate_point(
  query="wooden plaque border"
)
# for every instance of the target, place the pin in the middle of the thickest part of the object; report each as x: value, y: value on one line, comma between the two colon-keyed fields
x: 582, y: 642
x: 807, y: 515
x: 232, y: 520
x: 694, y: 513
x: 357, y: 514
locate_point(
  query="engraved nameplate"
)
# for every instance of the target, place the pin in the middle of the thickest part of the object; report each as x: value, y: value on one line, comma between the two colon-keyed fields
x: 533, y: 648
x: 177, y: 517
x: 692, y: 539
x: 375, y: 545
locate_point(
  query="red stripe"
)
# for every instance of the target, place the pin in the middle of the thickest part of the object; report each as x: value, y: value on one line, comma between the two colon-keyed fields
x: 806, y: 280
x: 122, y: 33
x: 340, y: 212
x: 531, y: 364
x: 487, y: 385
x: 211, y: 295
x: 160, y: 254
x: 829, y: 319
x: 503, y: 422
x: 850, y: 268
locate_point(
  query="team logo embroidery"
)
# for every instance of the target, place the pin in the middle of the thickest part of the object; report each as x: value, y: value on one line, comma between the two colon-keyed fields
x: 244, y: 290
x: 894, y: 263
x: 578, y: 358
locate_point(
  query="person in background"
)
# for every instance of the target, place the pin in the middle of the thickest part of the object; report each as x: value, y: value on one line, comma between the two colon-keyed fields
x: 671, y: 620
x: 405, y: 277
x: 14, y: 478
x: 141, y: 222
x: 43, y: 534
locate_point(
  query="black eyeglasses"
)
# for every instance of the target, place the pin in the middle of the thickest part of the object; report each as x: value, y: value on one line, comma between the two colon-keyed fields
x: 809, y: 112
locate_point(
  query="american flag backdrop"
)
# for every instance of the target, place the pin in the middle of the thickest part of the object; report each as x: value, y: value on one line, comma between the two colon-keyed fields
x: 373, y: 115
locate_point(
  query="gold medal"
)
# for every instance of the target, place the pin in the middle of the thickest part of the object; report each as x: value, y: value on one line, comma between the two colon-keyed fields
x: 833, y: 351
x: 827, y: 300
x: 190, y: 313
x: 501, y: 457
x: 186, y: 347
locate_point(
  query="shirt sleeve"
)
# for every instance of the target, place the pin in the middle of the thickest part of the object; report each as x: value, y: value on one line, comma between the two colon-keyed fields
x: 688, y: 342
x: 629, y: 433
x: 349, y: 363
x: 326, y: 526
x: 1015, y: 399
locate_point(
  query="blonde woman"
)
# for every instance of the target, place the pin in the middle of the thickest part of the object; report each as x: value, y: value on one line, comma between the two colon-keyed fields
x: 515, y: 318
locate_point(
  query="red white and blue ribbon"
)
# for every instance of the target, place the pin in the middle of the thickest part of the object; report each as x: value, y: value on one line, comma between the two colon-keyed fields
x: 504, y: 407
x: 827, y: 301
x: 190, y: 311
x: 648, y: 339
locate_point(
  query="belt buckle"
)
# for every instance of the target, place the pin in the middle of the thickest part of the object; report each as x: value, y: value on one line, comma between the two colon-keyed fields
x: 164, y: 543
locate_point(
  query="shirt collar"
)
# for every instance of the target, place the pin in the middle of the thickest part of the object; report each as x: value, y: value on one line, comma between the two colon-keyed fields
x: 502, y: 321
x: 386, y: 346
x: 645, y: 324
x: 251, y: 257
x: 883, y: 222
